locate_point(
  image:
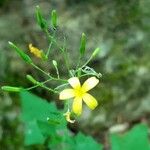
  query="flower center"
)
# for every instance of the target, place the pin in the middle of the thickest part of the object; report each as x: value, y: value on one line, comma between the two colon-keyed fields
x: 79, y: 92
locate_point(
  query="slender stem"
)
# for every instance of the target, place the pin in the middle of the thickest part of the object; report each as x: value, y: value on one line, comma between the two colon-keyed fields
x: 63, y: 50
x: 86, y: 62
x: 49, y: 89
x: 36, y: 67
x: 85, y: 75
x: 41, y: 70
x: 50, y: 38
x: 30, y: 88
x: 65, y: 54
x: 57, y: 72
x: 49, y: 48
x: 78, y: 64
x: 41, y: 84
x: 48, y: 35
x: 98, y: 75
x: 66, y: 58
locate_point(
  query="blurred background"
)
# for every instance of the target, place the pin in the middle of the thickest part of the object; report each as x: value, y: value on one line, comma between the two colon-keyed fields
x: 119, y: 27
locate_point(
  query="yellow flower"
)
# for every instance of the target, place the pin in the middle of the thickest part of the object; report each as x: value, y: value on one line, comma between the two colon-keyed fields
x: 67, y: 115
x: 38, y: 53
x: 79, y: 93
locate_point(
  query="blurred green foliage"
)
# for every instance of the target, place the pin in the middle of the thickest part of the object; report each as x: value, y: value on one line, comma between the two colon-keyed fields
x: 135, y: 139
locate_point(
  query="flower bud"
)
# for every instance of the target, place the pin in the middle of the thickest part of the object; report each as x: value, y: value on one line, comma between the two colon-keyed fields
x: 96, y: 51
x: 54, y: 19
x: 11, y: 88
x: 83, y: 44
x: 30, y: 78
x: 24, y: 56
x: 40, y: 19
x: 54, y: 63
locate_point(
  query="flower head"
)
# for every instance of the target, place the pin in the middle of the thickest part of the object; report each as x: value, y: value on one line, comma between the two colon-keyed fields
x: 79, y: 93
x: 38, y: 53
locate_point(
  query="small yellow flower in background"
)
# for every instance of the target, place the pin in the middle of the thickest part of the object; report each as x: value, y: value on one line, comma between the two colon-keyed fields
x: 79, y: 93
x: 38, y: 53
x: 67, y: 115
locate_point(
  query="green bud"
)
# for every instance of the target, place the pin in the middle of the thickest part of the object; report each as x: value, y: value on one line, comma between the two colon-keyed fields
x: 24, y: 56
x: 96, y: 51
x: 31, y: 79
x: 11, y: 89
x: 82, y: 44
x: 54, y: 63
x: 54, y: 19
x: 40, y: 20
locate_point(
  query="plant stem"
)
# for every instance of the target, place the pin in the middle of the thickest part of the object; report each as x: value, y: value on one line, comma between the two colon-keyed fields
x: 30, y: 88
x: 57, y: 72
x: 41, y: 84
x: 50, y: 38
x: 78, y: 64
x: 86, y: 62
x: 49, y: 48
x: 65, y: 54
x: 56, y: 79
x: 49, y: 89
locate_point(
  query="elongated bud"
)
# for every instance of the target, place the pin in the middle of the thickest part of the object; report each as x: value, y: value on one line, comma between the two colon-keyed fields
x: 11, y: 88
x: 40, y: 20
x: 31, y: 79
x: 54, y: 19
x: 96, y: 51
x: 82, y: 44
x: 24, y: 56
x: 54, y: 63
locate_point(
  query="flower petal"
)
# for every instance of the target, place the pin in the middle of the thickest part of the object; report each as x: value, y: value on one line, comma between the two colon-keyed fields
x: 90, y: 83
x: 77, y: 106
x: 66, y: 94
x: 90, y: 101
x: 74, y: 82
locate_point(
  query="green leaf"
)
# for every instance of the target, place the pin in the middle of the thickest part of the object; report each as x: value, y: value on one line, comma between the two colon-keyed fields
x: 83, y: 142
x: 65, y: 142
x: 33, y: 134
x: 46, y: 128
x: 135, y: 139
x: 42, y: 119
x: 36, y: 108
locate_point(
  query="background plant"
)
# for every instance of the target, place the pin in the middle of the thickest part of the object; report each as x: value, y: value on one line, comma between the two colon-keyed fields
x: 120, y: 28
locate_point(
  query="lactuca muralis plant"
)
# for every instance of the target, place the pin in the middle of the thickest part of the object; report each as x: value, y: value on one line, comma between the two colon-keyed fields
x: 78, y: 93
